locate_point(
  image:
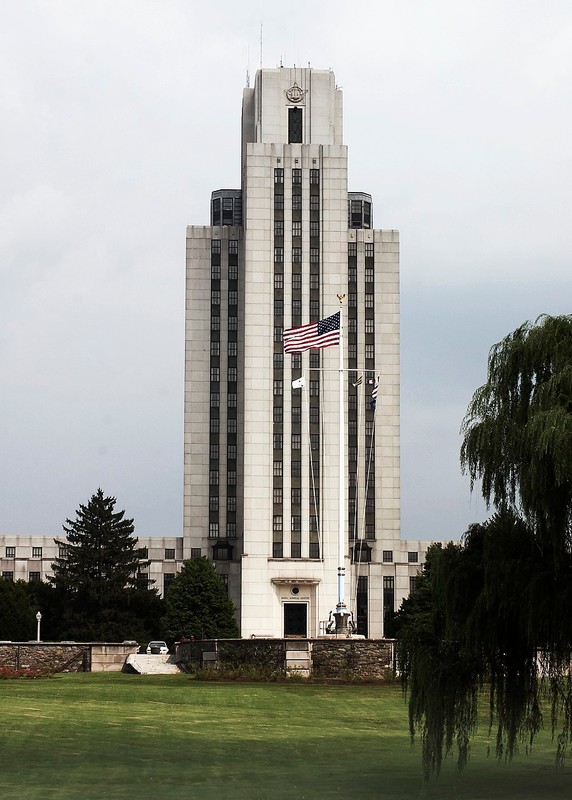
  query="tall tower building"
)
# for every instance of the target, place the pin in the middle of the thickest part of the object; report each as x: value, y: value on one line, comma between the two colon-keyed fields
x: 261, y: 456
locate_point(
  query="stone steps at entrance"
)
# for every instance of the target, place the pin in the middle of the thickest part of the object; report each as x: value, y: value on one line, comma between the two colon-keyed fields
x: 298, y: 658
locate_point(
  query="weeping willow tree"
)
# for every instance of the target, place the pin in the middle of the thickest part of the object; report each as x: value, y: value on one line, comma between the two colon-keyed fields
x: 494, y: 613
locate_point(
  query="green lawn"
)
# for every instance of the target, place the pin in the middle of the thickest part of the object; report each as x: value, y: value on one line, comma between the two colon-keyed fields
x: 113, y: 736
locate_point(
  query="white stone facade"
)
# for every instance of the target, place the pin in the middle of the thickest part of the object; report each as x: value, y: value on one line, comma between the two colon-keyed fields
x: 30, y: 558
x: 252, y: 442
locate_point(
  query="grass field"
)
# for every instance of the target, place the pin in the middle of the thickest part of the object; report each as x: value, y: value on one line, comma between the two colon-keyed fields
x: 114, y: 736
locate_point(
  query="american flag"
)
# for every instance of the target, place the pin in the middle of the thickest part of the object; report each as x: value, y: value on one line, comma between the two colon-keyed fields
x: 313, y: 336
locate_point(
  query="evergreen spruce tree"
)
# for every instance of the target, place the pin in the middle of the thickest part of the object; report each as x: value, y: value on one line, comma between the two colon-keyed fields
x: 197, y: 604
x: 98, y: 571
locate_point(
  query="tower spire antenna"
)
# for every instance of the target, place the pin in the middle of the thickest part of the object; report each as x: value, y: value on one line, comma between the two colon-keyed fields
x: 261, y: 45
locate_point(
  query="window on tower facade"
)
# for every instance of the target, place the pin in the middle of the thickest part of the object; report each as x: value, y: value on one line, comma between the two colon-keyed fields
x: 278, y: 255
x: 314, y: 202
x: 296, y: 415
x: 215, y: 246
x: 277, y: 469
x: 277, y: 387
x: 278, y: 227
x: 314, y: 282
x: 278, y: 202
x: 279, y: 175
x: 277, y: 441
x: 297, y: 281
x: 296, y: 255
x: 314, y: 176
x: 296, y: 202
x: 278, y: 360
x: 295, y: 126
x: 296, y: 176
x: 297, y: 229
x: 213, y: 530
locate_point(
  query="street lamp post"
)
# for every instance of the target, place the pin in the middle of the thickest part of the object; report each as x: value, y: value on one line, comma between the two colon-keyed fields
x: 39, y: 618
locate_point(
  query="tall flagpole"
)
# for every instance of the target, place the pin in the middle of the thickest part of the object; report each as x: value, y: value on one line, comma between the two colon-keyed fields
x: 341, y: 615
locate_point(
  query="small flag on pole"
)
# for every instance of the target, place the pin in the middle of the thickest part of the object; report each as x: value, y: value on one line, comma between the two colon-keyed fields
x: 357, y: 382
x: 298, y: 383
x: 373, y: 401
x: 313, y: 336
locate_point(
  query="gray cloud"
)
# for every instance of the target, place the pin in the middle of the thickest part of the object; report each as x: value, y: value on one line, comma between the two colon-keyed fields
x: 117, y: 121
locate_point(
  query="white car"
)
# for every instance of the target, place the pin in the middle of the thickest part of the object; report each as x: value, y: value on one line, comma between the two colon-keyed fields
x: 157, y: 648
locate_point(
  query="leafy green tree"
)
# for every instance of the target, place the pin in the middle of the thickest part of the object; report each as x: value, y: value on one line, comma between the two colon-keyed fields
x: 17, y: 616
x: 98, y: 573
x: 518, y: 430
x: 197, y: 604
x: 495, y: 610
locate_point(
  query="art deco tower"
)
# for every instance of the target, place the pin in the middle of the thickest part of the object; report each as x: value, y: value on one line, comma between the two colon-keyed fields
x: 261, y: 463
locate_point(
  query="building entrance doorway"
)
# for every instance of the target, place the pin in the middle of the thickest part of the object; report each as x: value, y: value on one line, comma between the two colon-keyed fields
x: 296, y: 619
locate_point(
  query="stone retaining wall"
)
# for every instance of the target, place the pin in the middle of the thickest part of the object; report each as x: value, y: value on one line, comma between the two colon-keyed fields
x: 65, y: 657
x: 343, y: 658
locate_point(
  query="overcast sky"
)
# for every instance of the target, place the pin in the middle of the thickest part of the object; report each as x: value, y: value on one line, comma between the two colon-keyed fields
x: 119, y: 118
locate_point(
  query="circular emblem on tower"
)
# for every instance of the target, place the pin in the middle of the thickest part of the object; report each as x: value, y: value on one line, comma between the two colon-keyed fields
x: 295, y: 94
